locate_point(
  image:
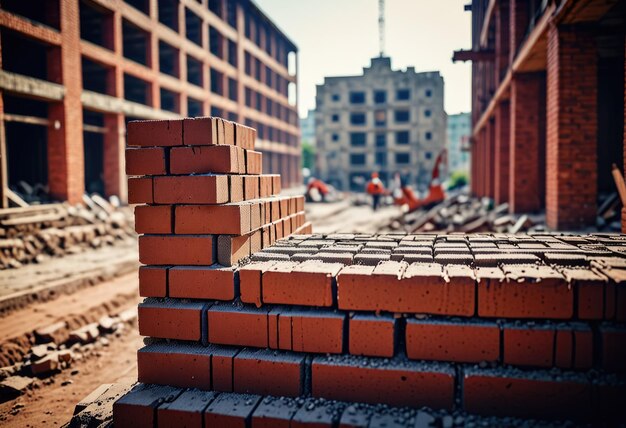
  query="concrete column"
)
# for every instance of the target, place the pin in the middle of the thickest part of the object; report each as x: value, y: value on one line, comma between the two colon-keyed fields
x: 571, y: 155
x: 527, y: 143
x: 501, y: 156
x: 65, y: 136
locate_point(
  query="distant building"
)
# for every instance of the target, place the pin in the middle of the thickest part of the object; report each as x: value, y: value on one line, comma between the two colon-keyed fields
x: 383, y: 120
x: 307, y: 128
x: 459, y: 132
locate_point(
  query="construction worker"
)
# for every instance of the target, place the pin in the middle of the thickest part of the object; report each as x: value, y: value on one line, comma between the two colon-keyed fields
x: 316, y: 190
x: 376, y: 189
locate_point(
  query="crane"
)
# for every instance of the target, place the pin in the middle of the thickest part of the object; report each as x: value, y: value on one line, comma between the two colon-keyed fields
x: 381, y: 27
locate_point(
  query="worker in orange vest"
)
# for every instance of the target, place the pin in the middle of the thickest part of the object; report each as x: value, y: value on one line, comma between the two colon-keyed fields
x: 376, y: 189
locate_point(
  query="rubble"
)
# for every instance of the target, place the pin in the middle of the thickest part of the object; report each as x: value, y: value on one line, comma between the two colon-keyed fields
x: 32, y: 234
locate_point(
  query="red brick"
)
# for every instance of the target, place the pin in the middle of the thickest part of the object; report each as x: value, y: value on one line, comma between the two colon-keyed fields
x: 231, y: 249
x: 153, y: 281
x: 235, y: 188
x: 276, y: 186
x: 146, y: 161
x: 230, y: 410
x: 154, y: 133
x: 239, y: 326
x: 403, y: 385
x: 201, y: 131
x: 170, y: 320
x: 269, y: 372
x: 564, y: 348
x: 589, y: 287
x: 251, y: 187
x: 206, y: 159
x: 154, y: 219
x: 308, y: 283
x: 372, y: 335
x: 185, y: 366
x: 583, y: 350
x: 254, y: 162
x: 526, y: 345
x: 420, y: 288
x: 181, y: 249
x: 230, y: 219
x: 275, y: 209
x: 613, y: 339
x: 500, y: 394
x: 265, y: 186
x: 464, y: 342
x: 529, y: 292
x: 284, y: 206
x: 317, y: 332
x: 618, y: 286
x: 222, y: 360
x: 140, y: 190
x: 191, y: 189
x: 206, y: 282
x: 250, y: 281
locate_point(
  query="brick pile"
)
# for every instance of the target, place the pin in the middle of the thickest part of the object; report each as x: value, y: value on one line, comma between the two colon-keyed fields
x: 203, y: 196
x: 353, y: 326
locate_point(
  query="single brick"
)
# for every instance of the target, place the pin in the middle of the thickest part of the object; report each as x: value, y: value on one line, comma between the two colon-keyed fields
x: 201, y: 131
x: 137, y: 408
x: 186, y: 410
x: 265, y: 186
x: 276, y: 185
x: 154, y: 219
x: 140, y: 190
x: 228, y: 219
x: 146, y: 161
x: 528, y: 345
x: 251, y: 187
x: 161, y: 133
x: 583, y: 349
x: 235, y: 188
x: 231, y: 410
x: 182, y: 365
x: 191, y: 189
x: 308, y: 284
x: 617, y: 279
x: 153, y: 281
x: 613, y: 340
x: 254, y: 162
x: 176, y: 249
x: 207, y: 159
x: 457, y: 341
x: 530, y: 291
x: 376, y: 381
x: 269, y: 372
x: 372, y: 335
x: 317, y: 331
x: 239, y: 326
x: 250, y: 277
x: 202, y: 282
x: 589, y: 287
x: 508, y: 392
x: 170, y: 319
x: 231, y: 249
x: 222, y: 360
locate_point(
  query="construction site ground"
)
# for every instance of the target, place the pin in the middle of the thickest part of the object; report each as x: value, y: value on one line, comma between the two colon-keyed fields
x: 39, y: 295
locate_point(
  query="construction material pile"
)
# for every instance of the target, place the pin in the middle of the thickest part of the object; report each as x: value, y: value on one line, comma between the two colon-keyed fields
x: 464, y: 213
x: 32, y: 234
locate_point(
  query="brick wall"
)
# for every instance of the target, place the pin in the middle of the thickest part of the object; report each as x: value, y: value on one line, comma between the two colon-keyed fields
x: 527, y: 142
x: 571, y: 156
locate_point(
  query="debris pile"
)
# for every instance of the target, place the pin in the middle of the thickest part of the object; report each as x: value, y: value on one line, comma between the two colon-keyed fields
x: 32, y: 234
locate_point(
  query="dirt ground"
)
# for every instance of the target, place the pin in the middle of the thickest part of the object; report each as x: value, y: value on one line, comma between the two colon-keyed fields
x: 53, y: 404
x: 344, y: 217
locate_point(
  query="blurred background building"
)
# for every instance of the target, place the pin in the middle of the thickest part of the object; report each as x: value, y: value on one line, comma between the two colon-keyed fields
x: 74, y: 72
x: 384, y: 120
x: 459, y: 130
x: 547, y: 104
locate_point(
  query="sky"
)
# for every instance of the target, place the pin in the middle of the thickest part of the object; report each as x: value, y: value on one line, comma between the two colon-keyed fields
x: 339, y: 37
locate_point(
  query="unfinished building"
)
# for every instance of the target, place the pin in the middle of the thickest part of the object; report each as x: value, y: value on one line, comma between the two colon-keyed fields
x: 547, y: 105
x: 93, y: 65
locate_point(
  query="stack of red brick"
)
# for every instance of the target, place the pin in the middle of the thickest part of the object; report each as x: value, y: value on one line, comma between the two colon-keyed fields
x: 204, y: 198
x: 526, y: 326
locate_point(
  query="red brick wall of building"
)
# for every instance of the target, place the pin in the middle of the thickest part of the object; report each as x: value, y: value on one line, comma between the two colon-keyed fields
x: 502, y: 152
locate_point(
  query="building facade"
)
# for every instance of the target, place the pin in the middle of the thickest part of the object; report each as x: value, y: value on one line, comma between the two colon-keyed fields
x: 384, y: 120
x: 74, y: 72
x: 459, y: 130
x: 547, y: 104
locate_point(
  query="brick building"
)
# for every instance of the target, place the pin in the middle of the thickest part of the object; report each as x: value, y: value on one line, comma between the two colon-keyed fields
x: 384, y: 120
x: 74, y: 72
x: 547, y: 104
